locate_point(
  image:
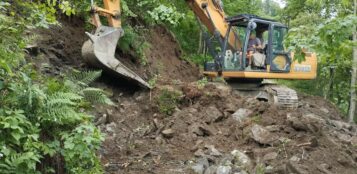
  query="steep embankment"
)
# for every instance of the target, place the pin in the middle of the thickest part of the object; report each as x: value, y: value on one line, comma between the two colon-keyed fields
x: 212, y: 128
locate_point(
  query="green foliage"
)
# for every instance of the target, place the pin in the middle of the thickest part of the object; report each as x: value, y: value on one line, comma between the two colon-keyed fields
x: 79, y: 148
x: 134, y: 43
x: 168, y: 100
x: 202, y: 83
x: 153, y: 11
x: 42, y: 117
x: 324, y: 27
x: 166, y: 14
x: 39, y: 110
x: 152, y: 81
x: 79, y: 81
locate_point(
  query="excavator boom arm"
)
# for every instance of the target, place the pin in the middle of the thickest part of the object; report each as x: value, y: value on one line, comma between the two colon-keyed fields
x: 111, y: 10
x: 211, y: 14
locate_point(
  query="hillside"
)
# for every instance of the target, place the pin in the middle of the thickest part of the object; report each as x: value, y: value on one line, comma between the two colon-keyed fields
x: 185, y: 126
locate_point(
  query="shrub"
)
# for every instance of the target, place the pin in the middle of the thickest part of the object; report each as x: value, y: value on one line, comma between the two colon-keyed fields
x: 168, y: 100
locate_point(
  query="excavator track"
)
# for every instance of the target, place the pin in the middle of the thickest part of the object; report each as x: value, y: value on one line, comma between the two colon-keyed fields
x: 285, y: 97
x: 281, y: 96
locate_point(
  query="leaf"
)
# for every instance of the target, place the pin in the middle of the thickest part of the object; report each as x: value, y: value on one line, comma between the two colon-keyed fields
x: 16, y: 135
x: 68, y: 145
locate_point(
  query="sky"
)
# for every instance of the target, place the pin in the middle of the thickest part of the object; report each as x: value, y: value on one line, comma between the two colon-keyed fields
x: 281, y: 3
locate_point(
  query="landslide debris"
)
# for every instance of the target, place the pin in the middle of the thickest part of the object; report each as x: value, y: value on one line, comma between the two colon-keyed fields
x: 210, y: 128
x: 203, y: 135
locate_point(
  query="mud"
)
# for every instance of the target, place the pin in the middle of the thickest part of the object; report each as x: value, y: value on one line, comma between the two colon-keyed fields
x: 202, y: 133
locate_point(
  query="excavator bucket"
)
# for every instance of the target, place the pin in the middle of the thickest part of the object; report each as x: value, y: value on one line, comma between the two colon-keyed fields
x: 99, y: 52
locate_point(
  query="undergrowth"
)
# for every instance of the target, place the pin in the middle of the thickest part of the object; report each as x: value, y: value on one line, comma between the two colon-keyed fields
x: 44, y: 125
x: 168, y: 100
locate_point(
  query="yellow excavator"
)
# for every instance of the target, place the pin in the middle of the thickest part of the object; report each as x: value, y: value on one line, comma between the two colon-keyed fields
x: 233, y: 62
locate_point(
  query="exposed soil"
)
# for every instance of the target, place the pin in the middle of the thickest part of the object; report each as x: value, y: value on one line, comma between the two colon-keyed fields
x: 211, y: 123
x: 307, y: 140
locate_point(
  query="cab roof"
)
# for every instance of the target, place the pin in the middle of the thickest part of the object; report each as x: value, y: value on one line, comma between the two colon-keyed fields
x: 243, y: 19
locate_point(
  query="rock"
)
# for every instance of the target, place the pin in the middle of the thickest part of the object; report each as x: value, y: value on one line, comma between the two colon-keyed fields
x: 326, y: 111
x: 201, y: 165
x: 295, y: 159
x: 212, y: 114
x: 241, y: 160
x: 262, y: 136
x: 211, y: 170
x: 168, y: 133
x: 224, y: 89
x: 270, y: 156
x: 312, y: 118
x: 202, y: 129
x: 197, y: 145
x: 213, y: 151
x: 296, y: 123
x: 230, y: 107
x: 296, y: 168
x: 159, y: 140
x: 110, y: 128
x: 274, y: 128
x: 340, y: 125
x: 354, y: 141
x: 195, y: 129
x: 324, y: 168
x: 198, y: 169
x: 269, y: 169
x: 345, y: 160
x: 226, y: 160
x: 241, y: 172
x: 139, y: 96
x: 199, y: 153
x: 224, y: 170
x: 344, y: 137
x: 111, y: 167
x: 102, y: 120
x: 241, y: 114
x: 207, y: 130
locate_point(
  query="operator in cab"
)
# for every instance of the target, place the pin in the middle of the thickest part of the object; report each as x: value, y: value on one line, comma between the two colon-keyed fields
x: 254, y: 43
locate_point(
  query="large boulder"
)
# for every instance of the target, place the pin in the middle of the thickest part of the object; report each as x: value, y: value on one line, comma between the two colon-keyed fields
x: 212, y: 114
x: 262, y: 135
x: 242, y: 114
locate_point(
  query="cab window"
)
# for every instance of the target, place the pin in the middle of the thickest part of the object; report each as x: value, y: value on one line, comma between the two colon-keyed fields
x: 279, y: 34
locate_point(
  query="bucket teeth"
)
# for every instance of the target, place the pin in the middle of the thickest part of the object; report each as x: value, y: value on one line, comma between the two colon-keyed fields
x: 99, y: 52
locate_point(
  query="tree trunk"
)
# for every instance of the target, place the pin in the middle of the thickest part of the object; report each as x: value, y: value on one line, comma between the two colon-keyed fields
x: 352, y: 109
x: 200, y: 44
x: 329, y: 93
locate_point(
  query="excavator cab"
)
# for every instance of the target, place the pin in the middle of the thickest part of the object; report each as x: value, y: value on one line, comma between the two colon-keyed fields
x: 270, y: 61
x: 271, y: 51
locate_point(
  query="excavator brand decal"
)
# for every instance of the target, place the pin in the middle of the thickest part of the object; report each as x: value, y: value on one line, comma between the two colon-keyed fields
x: 302, y: 68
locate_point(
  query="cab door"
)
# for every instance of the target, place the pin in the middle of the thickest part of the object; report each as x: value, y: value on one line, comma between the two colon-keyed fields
x: 279, y: 59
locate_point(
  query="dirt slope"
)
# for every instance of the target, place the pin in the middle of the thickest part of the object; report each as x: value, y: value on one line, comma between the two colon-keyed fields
x: 213, y: 128
x: 206, y: 129
x: 60, y: 47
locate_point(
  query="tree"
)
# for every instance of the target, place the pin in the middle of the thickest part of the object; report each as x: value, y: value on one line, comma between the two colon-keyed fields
x: 324, y: 27
x: 352, y: 110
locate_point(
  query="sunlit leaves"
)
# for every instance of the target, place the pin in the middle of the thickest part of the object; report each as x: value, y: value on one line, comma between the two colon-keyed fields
x: 167, y: 14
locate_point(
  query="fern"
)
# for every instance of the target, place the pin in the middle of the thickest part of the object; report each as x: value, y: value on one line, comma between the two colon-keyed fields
x: 78, y: 82
x: 95, y: 95
x: 60, y: 107
x: 85, y: 77
x: 60, y: 99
